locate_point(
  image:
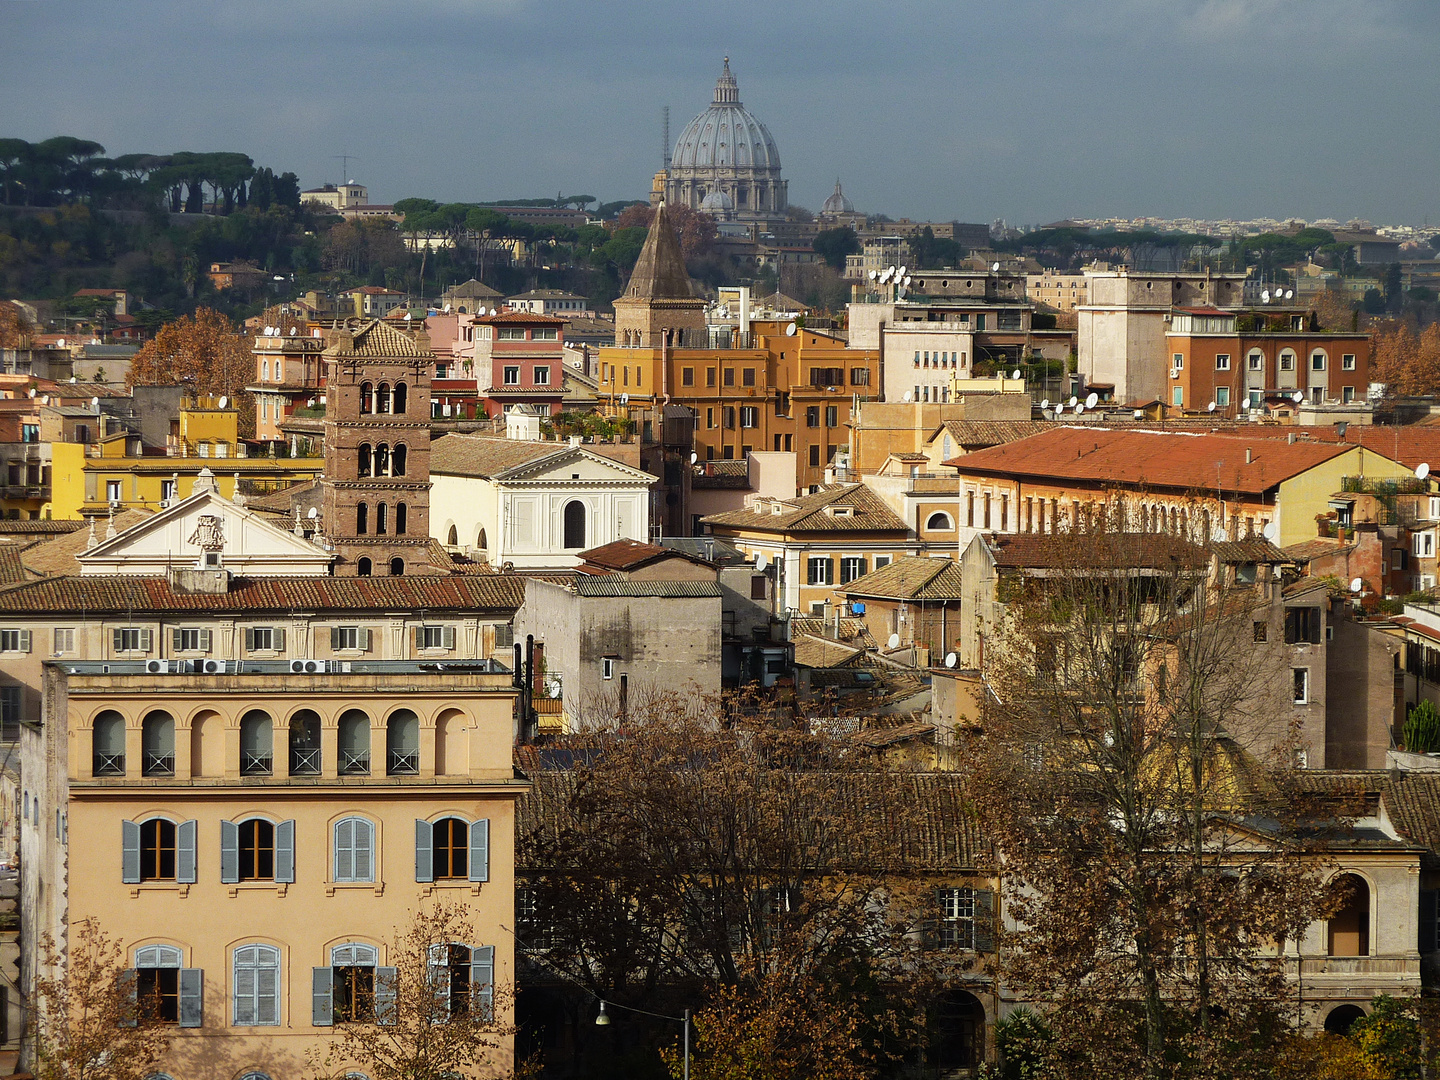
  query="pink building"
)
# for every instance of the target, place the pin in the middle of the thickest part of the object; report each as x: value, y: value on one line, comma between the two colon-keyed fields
x: 518, y: 359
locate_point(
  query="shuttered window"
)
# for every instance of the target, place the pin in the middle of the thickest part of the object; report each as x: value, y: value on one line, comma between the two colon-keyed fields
x: 354, y: 850
x: 257, y: 986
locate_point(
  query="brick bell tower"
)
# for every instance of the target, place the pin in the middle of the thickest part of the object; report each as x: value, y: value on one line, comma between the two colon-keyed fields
x: 377, y: 450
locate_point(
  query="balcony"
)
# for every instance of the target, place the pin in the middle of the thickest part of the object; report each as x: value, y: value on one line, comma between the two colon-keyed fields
x: 108, y: 765
x: 255, y: 764
x: 305, y: 761
x: 158, y: 764
x: 404, y: 763
x: 354, y: 763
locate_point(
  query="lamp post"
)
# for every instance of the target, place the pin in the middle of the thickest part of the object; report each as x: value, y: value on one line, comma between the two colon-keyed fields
x: 603, y: 1020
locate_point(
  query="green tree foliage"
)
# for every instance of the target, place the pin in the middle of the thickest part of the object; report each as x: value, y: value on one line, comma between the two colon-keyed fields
x: 1422, y: 729
x: 930, y: 253
x: 1021, y: 1040
x: 833, y: 245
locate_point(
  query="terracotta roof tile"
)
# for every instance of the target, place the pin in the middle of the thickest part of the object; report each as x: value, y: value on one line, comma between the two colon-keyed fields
x: 483, y: 456
x: 812, y: 514
x: 625, y: 554
x: 909, y: 578
x: 1319, y: 548
x: 1035, y: 551
x: 58, y: 556
x: 979, y: 434
x: 375, y: 339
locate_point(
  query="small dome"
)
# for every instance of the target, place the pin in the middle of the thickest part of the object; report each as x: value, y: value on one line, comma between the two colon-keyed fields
x: 725, y: 135
x: 838, y: 203
x: 716, y: 202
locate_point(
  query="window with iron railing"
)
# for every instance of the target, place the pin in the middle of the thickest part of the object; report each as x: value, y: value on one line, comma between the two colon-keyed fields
x: 305, y: 744
x: 157, y: 744
x: 256, y: 744
x: 354, y: 744
x: 402, y: 736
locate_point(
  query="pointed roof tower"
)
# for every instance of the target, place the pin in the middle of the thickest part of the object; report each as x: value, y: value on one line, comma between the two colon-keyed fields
x: 660, y: 272
x: 658, y: 300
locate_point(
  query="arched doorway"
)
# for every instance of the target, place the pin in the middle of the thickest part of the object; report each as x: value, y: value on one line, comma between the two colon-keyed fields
x: 1349, y: 930
x: 957, y: 1032
x: 1340, y: 1018
x: 575, y: 524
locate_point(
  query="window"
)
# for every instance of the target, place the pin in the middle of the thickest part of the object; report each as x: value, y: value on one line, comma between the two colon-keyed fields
x: 1425, y: 545
x: 257, y: 850
x: 164, y: 991
x: 727, y: 417
x: 812, y: 416
x: 574, y: 524
x: 1347, y: 362
x: 109, y: 744
x: 859, y: 376
x: 1262, y: 633
x: 820, y: 570
x: 851, y: 567
x: 64, y: 639
x: 131, y: 639
x: 747, y: 377
x: 512, y: 375
x: 264, y: 639
x: 1349, y: 929
x: 545, y: 333
x: 759, y: 589
x: 305, y: 743
x: 15, y: 641
x: 542, y: 376
x: 1287, y: 361
x: 749, y: 416
x: 402, y: 743
x: 434, y: 636
x: 1222, y: 396
x: 687, y: 376
x: 397, y: 461
x: 1302, y: 624
x: 814, y: 456
x: 510, y: 333
x: 1300, y: 685
x: 1317, y: 361
x: 256, y: 980
x: 882, y: 560
x: 452, y: 850
x: 157, y: 742
x: 112, y: 491
x: 354, y: 850
x: 1177, y: 396
x: 710, y: 376
x: 955, y: 927
x: 257, y: 743
x: 1222, y: 362
x: 399, y: 399
x: 362, y: 519
x: 729, y: 379
x: 939, y: 522
x: 1257, y: 361
x: 1177, y: 361
x: 190, y: 639
x: 607, y: 667
x: 354, y: 638
x: 1347, y: 394
x: 353, y: 989
x: 832, y: 416
x: 354, y: 743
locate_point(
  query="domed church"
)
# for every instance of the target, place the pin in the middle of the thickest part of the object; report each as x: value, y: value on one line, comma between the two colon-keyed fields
x: 726, y: 162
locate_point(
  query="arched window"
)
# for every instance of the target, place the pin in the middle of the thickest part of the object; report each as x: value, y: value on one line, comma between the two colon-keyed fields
x: 380, y: 516
x: 399, y: 399
x: 957, y: 1031
x: 480, y: 542
x: 305, y: 743
x: 257, y: 850
x: 257, y: 986
x: 352, y: 997
x: 109, y: 745
x: 401, y: 514
x: 382, y: 460
x: 367, y: 398
x: 157, y: 741
x: 1339, y: 1019
x: 354, y: 849
x: 452, y: 849
x: 256, y: 743
x: 397, y: 461
x: 158, y: 977
x: 382, y: 398
x: 362, y: 519
x: 157, y: 850
x: 939, y: 522
x: 402, y: 743
x: 397, y: 567
x: 363, y: 466
x: 362, y: 567
x: 354, y: 744
x: 575, y: 524
x: 453, y: 537
x: 1350, y: 926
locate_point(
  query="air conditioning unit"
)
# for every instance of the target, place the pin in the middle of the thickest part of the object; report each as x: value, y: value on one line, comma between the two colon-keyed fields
x: 156, y: 667
x: 300, y: 667
x: 1174, y: 373
x: 214, y: 667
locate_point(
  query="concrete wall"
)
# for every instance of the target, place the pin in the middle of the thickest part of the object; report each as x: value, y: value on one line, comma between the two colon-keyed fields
x: 1363, y: 703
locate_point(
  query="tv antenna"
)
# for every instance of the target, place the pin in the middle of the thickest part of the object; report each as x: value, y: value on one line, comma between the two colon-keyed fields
x: 665, y: 135
x: 345, y: 160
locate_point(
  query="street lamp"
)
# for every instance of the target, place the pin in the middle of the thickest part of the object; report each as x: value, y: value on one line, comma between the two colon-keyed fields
x: 603, y: 1020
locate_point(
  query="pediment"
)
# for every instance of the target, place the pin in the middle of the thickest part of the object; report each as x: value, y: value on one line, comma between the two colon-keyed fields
x: 564, y: 466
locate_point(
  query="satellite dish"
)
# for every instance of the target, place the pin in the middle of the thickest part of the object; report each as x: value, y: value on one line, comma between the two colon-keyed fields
x: 694, y: 457
x: 1139, y: 414
x: 224, y: 401
x: 901, y: 271
x: 874, y: 274
x: 894, y: 641
x: 1091, y: 400
x: 1059, y: 407
x: 1270, y: 531
x: 1079, y: 408
x: 1045, y: 404
x: 447, y: 309
x: 313, y: 514
x: 950, y: 659
x: 44, y: 399
x: 905, y: 396
x: 408, y: 316
x: 1422, y: 470
x: 1072, y: 401
x: 1015, y: 374
x: 1211, y: 407
x: 1297, y: 397
x: 1265, y: 296
x: 94, y: 402
x: 1289, y: 293
x: 1356, y: 584
x: 624, y: 399
x: 761, y: 562
x: 907, y: 281
x: 994, y: 267
x: 790, y: 330
x: 32, y: 391
x: 293, y: 331
x: 493, y: 311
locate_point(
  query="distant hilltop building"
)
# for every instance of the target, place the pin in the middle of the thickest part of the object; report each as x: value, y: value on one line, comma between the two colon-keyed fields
x: 726, y: 162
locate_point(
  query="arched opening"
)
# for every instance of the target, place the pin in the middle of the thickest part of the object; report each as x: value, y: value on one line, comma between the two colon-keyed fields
x: 1340, y: 1018
x: 157, y: 743
x: 1349, y: 929
x: 362, y: 467
x: 381, y: 513
x: 956, y: 1032
x: 574, y: 524
x: 354, y: 744
x: 207, y: 744
x: 108, y: 745
x: 367, y: 398
x: 362, y: 519
x: 305, y: 743
x: 397, y: 461
x: 453, y: 537
x: 362, y: 567
x: 402, y: 743
x: 480, y: 542
x: 256, y: 743
x: 397, y: 567
x: 401, y: 513
x: 939, y: 522
x: 398, y: 399
x: 382, y: 460
x: 382, y: 398
x: 452, y: 755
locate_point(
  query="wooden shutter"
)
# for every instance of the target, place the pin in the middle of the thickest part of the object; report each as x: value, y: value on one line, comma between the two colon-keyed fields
x: 387, y: 980
x: 417, y: 637
x: 345, y: 850
x: 130, y: 984
x: 147, y: 639
x: 364, y: 636
x: 285, y: 853
x: 480, y: 850
x: 363, y: 865
x: 117, y: 639
x: 334, y: 637
x: 229, y: 852
x: 322, y: 997
x: 204, y: 640
x: 24, y: 640
x: 448, y: 638
x: 130, y: 852
x: 424, y: 851
x: 1427, y: 940
x: 185, y: 852
x: 277, y: 638
x: 482, y: 978
x: 175, y: 638
x: 249, y: 639
x: 192, y: 997
x: 984, y: 921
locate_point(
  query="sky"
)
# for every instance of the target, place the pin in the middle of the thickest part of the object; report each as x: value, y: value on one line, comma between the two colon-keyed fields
x: 1027, y: 110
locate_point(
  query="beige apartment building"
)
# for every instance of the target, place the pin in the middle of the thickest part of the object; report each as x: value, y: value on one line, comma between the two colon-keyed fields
x: 254, y: 838
x: 1063, y: 292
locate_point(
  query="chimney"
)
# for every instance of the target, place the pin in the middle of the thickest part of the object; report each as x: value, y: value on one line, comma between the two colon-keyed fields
x: 1290, y: 438
x: 1248, y: 457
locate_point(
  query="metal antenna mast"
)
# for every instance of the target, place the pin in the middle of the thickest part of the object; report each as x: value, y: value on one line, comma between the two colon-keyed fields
x: 665, y: 135
x: 345, y: 160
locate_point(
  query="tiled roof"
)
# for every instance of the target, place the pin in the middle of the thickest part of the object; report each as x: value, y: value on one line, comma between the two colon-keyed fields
x: 659, y: 272
x: 978, y: 434
x: 1319, y: 548
x: 817, y: 652
x: 624, y: 554
x: 376, y: 339
x: 909, y: 578
x: 850, y: 629
x: 484, y: 456
x: 472, y: 288
x: 546, y: 294
x: 49, y: 527
x: 110, y: 594
x: 1253, y: 550
x: 1148, y: 458
x: 12, y: 570
x: 615, y: 585
x: 1414, y: 806
x: 526, y: 317
x: 1035, y: 551
x: 282, y: 501
x: 809, y: 514
x: 721, y: 475
x: 57, y: 556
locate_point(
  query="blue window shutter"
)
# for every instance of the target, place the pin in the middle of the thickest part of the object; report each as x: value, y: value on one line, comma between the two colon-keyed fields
x: 482, y: 977
x: 285, y: 852
x: 185, y: 853
x: 364, y: 852
x: 130, y: 852
x: 984, y: 921
x: 424, y: 851
x: 192, y: 997
x: 344, y: 850
x: 322, y: 996
x: 387, y: 986
x: 480, y: 850
x: 229, y: 852
x: 130, y: 983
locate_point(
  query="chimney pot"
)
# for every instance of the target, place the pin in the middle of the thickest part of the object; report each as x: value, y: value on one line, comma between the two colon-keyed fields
x: 1248, y: 457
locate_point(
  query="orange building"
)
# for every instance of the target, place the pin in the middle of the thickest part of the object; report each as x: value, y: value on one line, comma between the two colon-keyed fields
x: 1251, y: 360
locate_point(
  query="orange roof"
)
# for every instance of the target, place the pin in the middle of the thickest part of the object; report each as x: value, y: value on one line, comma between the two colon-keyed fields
x: 518, y: 317
x: 1136, y: 457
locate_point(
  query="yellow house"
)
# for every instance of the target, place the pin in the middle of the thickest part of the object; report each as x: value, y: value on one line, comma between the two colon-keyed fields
x: 89, y: 480
x: 255, y: 838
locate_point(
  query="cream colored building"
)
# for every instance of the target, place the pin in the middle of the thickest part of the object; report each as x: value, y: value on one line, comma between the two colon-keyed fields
x: 1063, y: 292
x: 254, y: 838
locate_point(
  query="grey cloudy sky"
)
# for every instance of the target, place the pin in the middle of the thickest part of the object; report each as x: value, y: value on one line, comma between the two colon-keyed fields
x: 1029, y: 110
